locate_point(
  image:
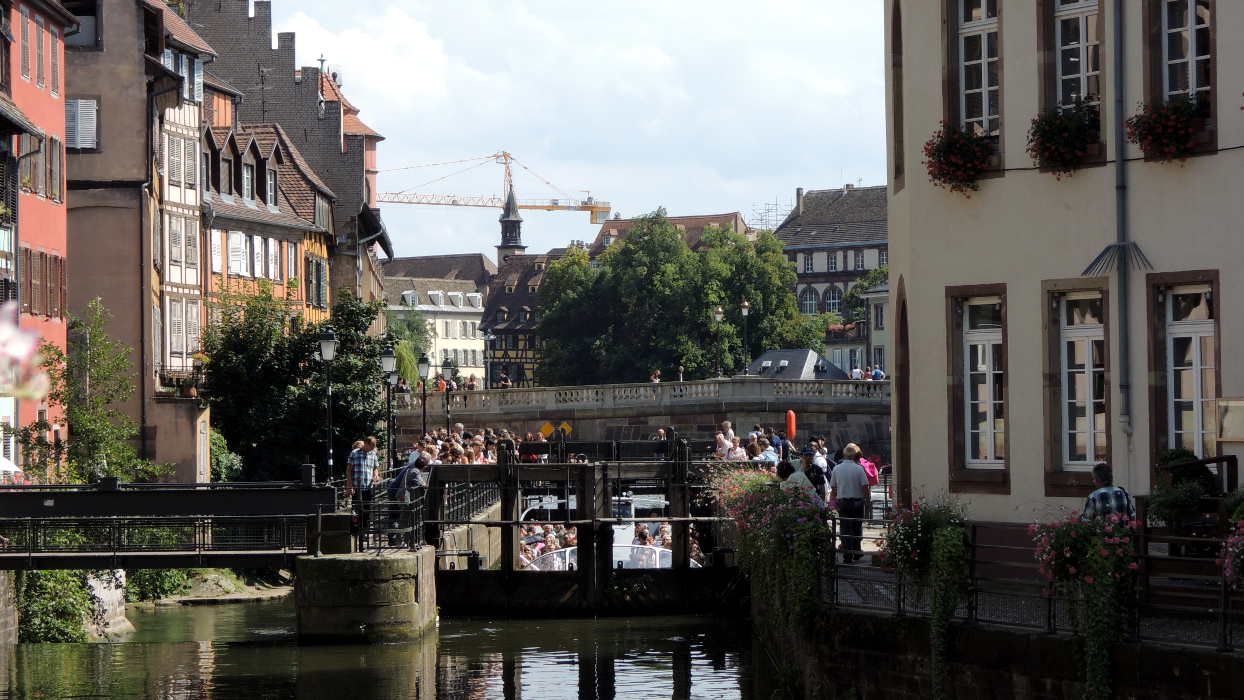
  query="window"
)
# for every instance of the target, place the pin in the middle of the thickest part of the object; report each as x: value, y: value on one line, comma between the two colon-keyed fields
x: 879, y: 316
x: 1187, y: 50
x: 257, y: 257
x: 248, y: 181
x: 272, y: 185
x: 807, y: 262
x: 157, y: 333
x: 274, y: 259
x: 1082, y: 374
x: 54, y: 48
x: 291, y: 266
x: 464, y: 329
x: 502, y: 315
x: 26, y: 43
x: 323, y: 212
x: 190, y: 168
x: 217, y: 262
x: 854, y: 355
x: 808, y: 301
x: 176, y: 327
x: 984, y: 373
x: 226, y: 176
x: 883, y: 258
x: 832, y: 260
x: 185, y: 68
x: 859, y: 260
x: 1077, y: 57
x: 81, y: 117
x: 1191, y: 370
x: 172, y: 159
x: 509, y: 289
x: 87, y: 14
x: 833, y: 300
x: 879, y: 357
x: 174, y: 239
x: 448, y: 327
x: 205, y: 171
x: 192, y: 326
x: 980, y: 106
x: 40, y: 78
x: 237, y: 253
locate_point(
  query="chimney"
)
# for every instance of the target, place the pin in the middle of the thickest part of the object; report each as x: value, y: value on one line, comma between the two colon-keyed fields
x: 799, y: 201
x: 848, y: 186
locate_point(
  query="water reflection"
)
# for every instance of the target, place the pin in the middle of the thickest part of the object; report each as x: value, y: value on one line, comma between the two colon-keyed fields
x: 249, y: 651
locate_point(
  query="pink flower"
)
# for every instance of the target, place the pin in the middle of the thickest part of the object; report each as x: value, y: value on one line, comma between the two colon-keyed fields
x: 1071, y: 569
x: 1105, y: 553
x: 1133, y: 566
x: 1088, y: 579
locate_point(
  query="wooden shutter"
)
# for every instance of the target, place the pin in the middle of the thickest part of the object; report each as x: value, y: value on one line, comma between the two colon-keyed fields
x: 176, y: 327
x: 25, y: 268
x: 54, y: 47
x: 190, y: 167
x: 25, y: 42
x: 53, y: 285
x: 64, y: 288
x: 274, y: 259
x: 41, y: 168
x: 237, y: 253
x: 174, y: 161
x: 198, y: 81
x: 175, y: 239
x: 309, y: 282
x: 190, y: 234
x: 54, y: 168
x: 192, y: 326
x: 323, y: 286
x: 39, y: 77
x: 37, y: 275
x: 71, y: 123
x: 216, y: 261
x: 257, y: 260
x: 87, y: 113
x: 291, y: 261
x: 167, y: 59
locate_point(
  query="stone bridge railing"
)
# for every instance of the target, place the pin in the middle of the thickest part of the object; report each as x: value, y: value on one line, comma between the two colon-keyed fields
x: 618, y: 398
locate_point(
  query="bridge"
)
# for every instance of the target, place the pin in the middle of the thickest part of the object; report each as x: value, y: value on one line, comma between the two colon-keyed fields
x: 851, y: 410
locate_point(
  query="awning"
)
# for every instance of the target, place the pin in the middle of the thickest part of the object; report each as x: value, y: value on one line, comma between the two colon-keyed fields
x: 15, y: 119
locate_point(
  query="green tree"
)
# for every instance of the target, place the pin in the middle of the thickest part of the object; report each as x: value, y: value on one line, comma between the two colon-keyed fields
x: 89, y: 383
x: 225, y: 464
x: 268, y: 391
x: 853, y: 302
x: 410, y: 340
x: 649, y: 302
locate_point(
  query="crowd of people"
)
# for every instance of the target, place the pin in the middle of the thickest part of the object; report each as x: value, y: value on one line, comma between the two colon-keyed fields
x: 871, y: 373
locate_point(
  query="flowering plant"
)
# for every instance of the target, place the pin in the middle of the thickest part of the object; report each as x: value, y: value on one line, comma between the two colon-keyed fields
x: 908, y: 544
x: 956, y: 158
x: 1081, y: 551
x: 1060, y: 139
x: 1165, y: 131
x: 1232, y: 558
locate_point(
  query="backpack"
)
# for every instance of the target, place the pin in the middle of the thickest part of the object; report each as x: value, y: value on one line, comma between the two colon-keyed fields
x: 871, y: 470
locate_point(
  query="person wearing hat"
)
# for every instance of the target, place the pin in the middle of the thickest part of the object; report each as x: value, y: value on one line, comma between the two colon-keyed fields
x: 815, y: 473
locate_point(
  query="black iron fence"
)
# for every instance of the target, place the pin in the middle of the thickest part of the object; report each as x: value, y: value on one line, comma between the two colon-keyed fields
x: 123, y: 535
x: 392, y: 522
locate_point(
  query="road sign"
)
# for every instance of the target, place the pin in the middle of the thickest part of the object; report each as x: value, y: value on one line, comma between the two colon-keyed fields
x: 547, y: 429
x: 566, y: 429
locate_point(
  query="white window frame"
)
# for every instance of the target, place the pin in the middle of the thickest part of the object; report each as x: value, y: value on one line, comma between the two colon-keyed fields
x: 807, y: 262
x: 985, y: 338
x: 272, y: 186
x: 1196, y: 52
x: 291, y: 254
x: 248, y: 180
x: 1078, y: 11
x: 859, y: 261
x: 833, y: 300
x: 981, y: 29
x: 1086, y: 334
x: 807, y: 294
x: 217, y: 252
x: 883, y: 258
x: 831, y: 261
x: 1202, y: 401
x: 838, y: 358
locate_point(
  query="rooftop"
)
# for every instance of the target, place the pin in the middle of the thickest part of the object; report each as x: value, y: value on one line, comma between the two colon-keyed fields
x: 837, y: 217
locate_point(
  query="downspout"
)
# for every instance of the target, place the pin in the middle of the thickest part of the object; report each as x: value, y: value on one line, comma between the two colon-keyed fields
x: 1122, y: 240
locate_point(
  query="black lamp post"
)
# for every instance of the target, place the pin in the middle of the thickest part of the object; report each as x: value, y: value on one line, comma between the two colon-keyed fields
x: 388, y: 365
x: 425, y: 373
x: 328, y: 351
x: 488, y: 338
x: 447, y: 373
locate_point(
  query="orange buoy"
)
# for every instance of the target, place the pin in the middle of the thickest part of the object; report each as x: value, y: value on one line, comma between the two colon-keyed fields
x: 790, y: 425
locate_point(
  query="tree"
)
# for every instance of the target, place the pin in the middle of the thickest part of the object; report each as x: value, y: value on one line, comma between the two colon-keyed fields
x: 853, y: 302
x: 89, y: 383
x: 268, y: 392
x: 649, y: 302
x: 411, y: 339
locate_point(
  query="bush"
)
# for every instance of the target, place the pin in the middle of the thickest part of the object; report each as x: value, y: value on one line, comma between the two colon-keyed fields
x: 1166, y: 131
x: 909, y: 543
x: 1059, y: 140
x: 956, y: 158
x: 1171, y: 505
x: 54, y: 606
x: 226, y: 466
x: 154, y: 584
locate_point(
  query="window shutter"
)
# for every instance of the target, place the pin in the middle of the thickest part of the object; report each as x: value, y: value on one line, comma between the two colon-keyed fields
x: 174, y: 239
x: 71, y: 123
x: 319, y: 284
x: 54, y: 47
x: 37, y: 290
x: 237, y: 252
x: 291, y: 263
x: 192, y: 326
x: 54, y: 168
x: 64, y: 288
x: 309, y: 282
x: 174, y: 161
x: 87, y: 112
x: 25, y: 268
x: 189, y: 167
x: 198, y: 80
x: 216, y: 261
x: 53, y: 282
x: 41, y: 167
x: 39, y: 77
x: 176, y: 327
x: 190, y: 234
x: 257, y: 262
x: 25, y: 42
x: 157, y: 335
x: 274, y: 259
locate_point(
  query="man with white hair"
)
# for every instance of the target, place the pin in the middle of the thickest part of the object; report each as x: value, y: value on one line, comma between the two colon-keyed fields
x: 848, y: 486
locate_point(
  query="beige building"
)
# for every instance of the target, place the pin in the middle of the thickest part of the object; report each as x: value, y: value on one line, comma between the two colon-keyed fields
x: 1019, y: 362
x: 877, y: 300
x: 453, y: 310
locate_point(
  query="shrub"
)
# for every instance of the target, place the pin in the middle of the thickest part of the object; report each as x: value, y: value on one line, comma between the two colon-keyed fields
x: 956, y: 158
x: 1166, y: 131
x: 1059, y: 140
x: 908, y: 544
x: 1172, y: 504
x: 1232, y: 557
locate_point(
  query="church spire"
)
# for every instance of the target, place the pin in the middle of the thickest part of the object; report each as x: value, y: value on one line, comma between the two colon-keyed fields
x: 511, y: 229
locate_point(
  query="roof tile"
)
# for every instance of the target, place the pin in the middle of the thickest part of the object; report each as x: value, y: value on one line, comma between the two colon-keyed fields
x: 837, y: 217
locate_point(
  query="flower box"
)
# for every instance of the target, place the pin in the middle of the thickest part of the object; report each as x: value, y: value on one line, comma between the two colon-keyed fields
x: 956, y: 158
x: 1168, y: 131
x: 1062, y: 140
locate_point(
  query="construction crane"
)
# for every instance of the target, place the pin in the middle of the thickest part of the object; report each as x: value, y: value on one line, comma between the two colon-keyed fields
x: 598, y: 210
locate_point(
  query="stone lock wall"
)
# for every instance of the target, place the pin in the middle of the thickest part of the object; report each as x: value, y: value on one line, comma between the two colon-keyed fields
x: 365, y: 597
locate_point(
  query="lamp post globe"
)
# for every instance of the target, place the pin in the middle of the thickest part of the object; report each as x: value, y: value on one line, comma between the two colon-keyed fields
x: 328, y: 345
x: 425, y: 373
x: 328, y: 351
x: 388, y: 360
x: 424, y: 365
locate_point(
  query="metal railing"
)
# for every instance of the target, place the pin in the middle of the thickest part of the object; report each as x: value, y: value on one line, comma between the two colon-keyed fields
x: 128, y: 535
x: 392, y: 523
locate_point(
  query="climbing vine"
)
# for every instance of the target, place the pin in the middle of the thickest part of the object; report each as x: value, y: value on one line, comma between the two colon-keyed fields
x: 950, y: 585
x: 783, y: 541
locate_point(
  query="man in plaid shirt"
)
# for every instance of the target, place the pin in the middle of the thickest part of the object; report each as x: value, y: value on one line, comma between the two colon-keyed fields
x: 1107, y: 499
x: 364, y: 466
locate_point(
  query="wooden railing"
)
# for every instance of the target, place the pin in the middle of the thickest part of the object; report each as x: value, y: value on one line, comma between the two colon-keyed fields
x: 605, y: 396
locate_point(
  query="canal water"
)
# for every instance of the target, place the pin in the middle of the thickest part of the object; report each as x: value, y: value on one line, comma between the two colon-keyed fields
x: 249, y: 651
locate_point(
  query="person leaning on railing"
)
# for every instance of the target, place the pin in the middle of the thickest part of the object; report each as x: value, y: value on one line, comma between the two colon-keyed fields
x: 1106, y: 498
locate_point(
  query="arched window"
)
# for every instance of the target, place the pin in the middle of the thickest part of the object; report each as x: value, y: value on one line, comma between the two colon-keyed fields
x: 808, y: 301
x: 833, y: 300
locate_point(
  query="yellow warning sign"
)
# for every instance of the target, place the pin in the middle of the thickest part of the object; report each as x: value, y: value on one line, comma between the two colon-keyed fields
x: 547, y: 429
x: 566, y: 429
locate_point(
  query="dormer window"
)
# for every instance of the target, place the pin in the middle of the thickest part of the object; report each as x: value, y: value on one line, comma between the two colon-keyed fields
x: 533, y: 288
x: 226, y: 176
x: 437, y: 297
x: 509, y: 289
x: 455, y: 298
x: 272, y: 185
x: 502, y: 315
x: 539, y: 265
x: 248, y: 181
x: 475, y: 299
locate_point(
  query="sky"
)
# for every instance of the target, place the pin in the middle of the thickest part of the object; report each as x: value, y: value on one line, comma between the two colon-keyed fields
x: 699, y: 106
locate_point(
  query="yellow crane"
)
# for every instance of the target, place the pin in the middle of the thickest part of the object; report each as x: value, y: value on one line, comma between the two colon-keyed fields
x: 598, y: 210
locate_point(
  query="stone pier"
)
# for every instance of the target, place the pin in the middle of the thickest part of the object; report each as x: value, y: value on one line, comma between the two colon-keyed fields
x: 365, y: 598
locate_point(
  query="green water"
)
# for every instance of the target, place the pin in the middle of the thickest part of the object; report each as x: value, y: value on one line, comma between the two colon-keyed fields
x: 249, y: 651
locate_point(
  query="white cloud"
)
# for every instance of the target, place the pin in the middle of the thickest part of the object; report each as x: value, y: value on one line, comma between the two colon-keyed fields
x: 698, y: 106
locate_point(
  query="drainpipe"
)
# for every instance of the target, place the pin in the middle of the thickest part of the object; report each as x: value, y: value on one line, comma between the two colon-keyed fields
x: 1121, y: 227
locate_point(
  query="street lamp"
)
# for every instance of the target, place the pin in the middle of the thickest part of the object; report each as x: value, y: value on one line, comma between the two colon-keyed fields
x: 718, y: 315
x: 388, y: 365
x: 425, y: 373
x: 746, y: 308
x: 488, y: 338
x: 328, y: 351
x: 447, y: 373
